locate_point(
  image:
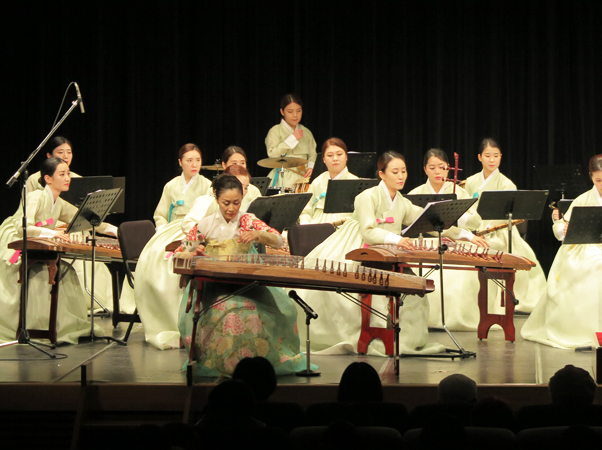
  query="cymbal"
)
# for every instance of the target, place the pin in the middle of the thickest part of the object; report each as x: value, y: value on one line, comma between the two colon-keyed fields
x: 213, y: 167
x: 283, y: 161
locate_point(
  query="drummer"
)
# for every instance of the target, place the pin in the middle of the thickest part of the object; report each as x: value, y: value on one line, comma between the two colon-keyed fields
x: 334, y: 155
x: 291, y: 139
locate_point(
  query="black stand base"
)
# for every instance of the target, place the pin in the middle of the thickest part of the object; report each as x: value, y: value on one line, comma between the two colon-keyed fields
x: 92, y: 338
x: 308, y: 373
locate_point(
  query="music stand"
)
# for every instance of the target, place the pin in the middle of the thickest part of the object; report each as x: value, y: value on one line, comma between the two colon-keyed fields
x: 424, y: 199
x: 438, y: 217
x: 564, y: 205
x: 562, y: 181
x: 91, y: 213
x: 340, y: 194
x: 279, y: 211
x: 511, y: 205
x: 585, y: 226
x: 360, y: 164
x: 261, y: 183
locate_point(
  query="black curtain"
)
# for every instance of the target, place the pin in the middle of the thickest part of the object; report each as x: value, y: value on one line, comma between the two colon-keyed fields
x: 405, y: 75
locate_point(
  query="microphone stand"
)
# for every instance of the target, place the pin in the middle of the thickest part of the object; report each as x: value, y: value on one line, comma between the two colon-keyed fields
x: 23, y: 334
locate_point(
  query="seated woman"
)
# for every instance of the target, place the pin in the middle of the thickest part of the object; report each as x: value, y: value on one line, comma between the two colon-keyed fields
x: 334, y: 155
x: 568, y: 315
x: 530, y: 285
x: 461, y: 287
x: 378, y: 217
x: 260, y: 322
x: 44, y: 209
x: 156, y: 288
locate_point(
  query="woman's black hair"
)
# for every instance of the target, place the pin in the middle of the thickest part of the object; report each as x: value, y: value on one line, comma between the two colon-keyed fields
x: 48, y: 167
x: 226, y: 182
x: 488, y: 142
x: 55, y: 142
x: 386, y: 158
x: 232, y: 150
x: 188, y: 148
x: 437, y: 153
x: 290, y: 98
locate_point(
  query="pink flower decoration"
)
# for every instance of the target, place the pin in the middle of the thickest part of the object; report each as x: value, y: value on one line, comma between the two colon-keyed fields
x: 285, y: 358
x: 188, y: 340
x: 248, y: 304
x: 254, y: 324
x: 295, y: 330
x: 230, y: 363
x: 245, y: 353
x: 233, y: 324
x: 387, y: 220
x: 220, y: 306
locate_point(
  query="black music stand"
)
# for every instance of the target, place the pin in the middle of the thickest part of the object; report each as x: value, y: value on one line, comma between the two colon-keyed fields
x: 340, y: 194
x: 562, y: 181
x: 424, y: 199
x: 564, y: 205
x: 360, y: 164
x: 438, y: 217
x: 511, y: 205
x: 585, y: 226
x: 91, y: 213
x: 280, y: 211
x: 261, y: 183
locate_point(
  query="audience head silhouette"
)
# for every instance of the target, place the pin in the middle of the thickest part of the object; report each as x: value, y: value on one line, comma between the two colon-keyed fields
x: 572, y: 386
x: 457, y: 389
x: 493, y: 412
x: 259, y: 374
x: 231, y: 397
x: 360, y: 383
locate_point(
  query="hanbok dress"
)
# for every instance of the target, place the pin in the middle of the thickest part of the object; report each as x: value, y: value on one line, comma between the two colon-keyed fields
x: 260, y: 322
x: 530, y: 285
x: 43, y: 214
x: 314, y: 210
x: 376, y: 220
x: 570, y: 312
x: 102, y: 277
x: 156, y: 287
x: 461, y: 288
x: 281, y: 141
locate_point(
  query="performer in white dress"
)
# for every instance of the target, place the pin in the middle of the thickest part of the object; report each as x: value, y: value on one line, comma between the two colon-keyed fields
x: 377, y: 219
x: 570, y: 312
x: 334, y: 155
x: 529, y: 285
x: 61, y: 147
x: 44, y: 210
x: 461, y: 287
x: 290, y: 138
x: 157, y: 288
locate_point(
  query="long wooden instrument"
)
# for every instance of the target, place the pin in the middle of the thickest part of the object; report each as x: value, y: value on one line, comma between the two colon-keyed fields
x: 458, y: 254
x: 497, y: 227
x: 292, y: 271
x: 105, y: 247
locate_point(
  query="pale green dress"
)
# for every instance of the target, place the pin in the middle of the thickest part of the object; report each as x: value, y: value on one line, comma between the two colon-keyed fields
x: 314, y: 210
x: 529, y: 285
x: 280, y: 141
x: 72, y: 315
x: 461, y: 287
x: 570, y: 312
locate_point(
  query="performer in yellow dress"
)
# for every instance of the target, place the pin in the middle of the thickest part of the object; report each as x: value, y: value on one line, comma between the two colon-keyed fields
x: 334, y: 155
x: 260, y: 322
x: 379, y: 215
x: 156, y: 287
x: 529, y: 285
x: 44, y: 210
x: 570, y: 312
x: 290, y: 138
x: 461, y: 287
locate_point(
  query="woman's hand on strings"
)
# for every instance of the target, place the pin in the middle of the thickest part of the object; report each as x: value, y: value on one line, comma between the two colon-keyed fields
x: 248, y: 236
x: 405, y: 243
x: 479, y: 241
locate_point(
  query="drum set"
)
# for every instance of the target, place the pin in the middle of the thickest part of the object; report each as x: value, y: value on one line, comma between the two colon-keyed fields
x: 296, y: 165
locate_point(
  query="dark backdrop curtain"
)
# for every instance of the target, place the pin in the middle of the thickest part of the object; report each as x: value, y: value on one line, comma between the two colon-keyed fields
x: 406, y: 75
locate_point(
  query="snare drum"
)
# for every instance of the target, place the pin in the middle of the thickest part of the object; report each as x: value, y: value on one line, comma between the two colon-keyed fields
x: 301, y: 186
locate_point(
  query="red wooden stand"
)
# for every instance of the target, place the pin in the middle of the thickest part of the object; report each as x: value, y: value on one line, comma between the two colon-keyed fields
x: 506, y: 321
x: 368, y: 333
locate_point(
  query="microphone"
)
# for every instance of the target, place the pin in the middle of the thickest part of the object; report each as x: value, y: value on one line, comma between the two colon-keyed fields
x: 79, y: 98
x: 310, y: 312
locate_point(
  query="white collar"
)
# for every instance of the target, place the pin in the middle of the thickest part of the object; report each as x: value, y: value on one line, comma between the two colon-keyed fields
x: 598, y: 195
x: 339, y: 175
x: 387, y: 195
x: 185, y: 185
x: 287, y: 126
x: 432, y: 189
x: 485, y: 181
x: 47, y: 189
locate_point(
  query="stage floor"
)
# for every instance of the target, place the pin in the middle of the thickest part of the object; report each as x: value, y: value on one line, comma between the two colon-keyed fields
x: 499, y: 364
